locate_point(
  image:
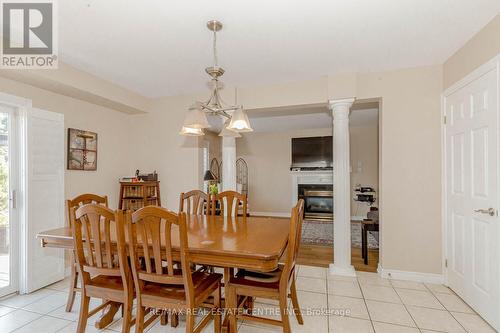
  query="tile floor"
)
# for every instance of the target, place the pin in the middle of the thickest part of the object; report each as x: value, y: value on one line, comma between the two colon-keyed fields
x: 335, y: 304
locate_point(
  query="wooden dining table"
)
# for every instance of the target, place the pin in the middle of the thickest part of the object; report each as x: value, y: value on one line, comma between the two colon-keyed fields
x: 246, y: 242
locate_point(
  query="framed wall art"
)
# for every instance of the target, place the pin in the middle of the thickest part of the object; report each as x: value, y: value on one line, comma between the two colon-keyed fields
x: 82, y: 150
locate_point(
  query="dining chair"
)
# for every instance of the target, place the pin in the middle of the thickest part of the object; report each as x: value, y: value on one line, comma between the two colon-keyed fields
x: 77, y: 202
x: 100, y: 248
x: 159, y: 284
x: 194, y: 202
x: 230, y: 202
x: 273, y: 285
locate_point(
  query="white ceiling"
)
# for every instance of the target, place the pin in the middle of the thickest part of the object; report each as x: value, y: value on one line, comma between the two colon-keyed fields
x: 160, y: 48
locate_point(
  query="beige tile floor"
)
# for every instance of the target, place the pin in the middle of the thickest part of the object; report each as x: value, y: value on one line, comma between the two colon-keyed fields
x: 367, y: 303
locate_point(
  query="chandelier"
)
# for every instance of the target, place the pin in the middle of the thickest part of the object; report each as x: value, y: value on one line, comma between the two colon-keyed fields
x: 234, y: 117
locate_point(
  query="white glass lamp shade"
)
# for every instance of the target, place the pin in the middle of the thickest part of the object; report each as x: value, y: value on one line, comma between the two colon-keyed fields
x: 189, y: 131
x: 196, y: 118
x: 239, y: 121
x: 229, y: 133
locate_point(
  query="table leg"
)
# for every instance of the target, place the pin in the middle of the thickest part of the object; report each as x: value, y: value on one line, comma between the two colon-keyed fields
x: 174, y: 321
x: 107, y: 315
x: 365, y: 255
x: 225, y: 323
x: 362, y: 241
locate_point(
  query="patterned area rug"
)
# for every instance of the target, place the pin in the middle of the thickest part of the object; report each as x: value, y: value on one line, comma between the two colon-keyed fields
x: 321, y: 233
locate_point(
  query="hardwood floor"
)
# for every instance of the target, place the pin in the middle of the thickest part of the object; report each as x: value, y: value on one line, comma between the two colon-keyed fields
x: 316, y: 255
x: 357, y: 260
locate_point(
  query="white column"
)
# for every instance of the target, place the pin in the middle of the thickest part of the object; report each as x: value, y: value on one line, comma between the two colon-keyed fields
x: 228, y: 163
x: 341, y: 189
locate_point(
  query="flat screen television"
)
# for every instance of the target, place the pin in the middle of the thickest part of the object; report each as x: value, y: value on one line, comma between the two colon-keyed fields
x: 312, y: 152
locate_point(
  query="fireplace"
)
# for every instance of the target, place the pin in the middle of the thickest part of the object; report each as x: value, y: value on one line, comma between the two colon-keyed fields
x: 318, y: 201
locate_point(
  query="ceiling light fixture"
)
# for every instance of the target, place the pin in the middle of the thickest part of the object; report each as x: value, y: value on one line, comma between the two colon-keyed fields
x: 235, y: 118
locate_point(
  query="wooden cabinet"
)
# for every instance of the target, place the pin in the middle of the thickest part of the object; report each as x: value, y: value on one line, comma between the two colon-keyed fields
x: 135, y: 195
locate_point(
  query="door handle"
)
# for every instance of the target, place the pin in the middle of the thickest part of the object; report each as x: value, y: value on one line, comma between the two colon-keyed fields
x: 489, y: 211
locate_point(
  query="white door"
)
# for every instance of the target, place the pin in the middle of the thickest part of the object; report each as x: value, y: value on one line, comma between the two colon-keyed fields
x: 9, y: 259
x: 472, y: 191
x: 44, y: 196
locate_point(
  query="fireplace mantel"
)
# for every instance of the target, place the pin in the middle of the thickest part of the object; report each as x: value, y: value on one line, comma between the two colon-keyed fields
x: 309, y: 177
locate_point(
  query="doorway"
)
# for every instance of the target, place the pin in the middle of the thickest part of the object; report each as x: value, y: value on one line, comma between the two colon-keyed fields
x: 9, y: 259
x: 286, y: 143
x: 364, y: 130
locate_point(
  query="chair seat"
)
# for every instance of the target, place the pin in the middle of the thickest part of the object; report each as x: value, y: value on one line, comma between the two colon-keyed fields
x: 110, y: 285
x: 203, y: 283
x: 267, y: 280
x: 108, y: 282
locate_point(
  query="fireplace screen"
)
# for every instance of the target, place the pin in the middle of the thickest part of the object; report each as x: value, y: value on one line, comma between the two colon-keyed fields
x: 319, y: 205
x: 318, y: 201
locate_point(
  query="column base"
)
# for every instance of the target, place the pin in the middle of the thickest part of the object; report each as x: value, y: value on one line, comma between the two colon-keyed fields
x: 343, y: 271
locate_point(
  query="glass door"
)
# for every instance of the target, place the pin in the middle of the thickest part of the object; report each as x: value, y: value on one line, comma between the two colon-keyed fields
x: 8, y: 214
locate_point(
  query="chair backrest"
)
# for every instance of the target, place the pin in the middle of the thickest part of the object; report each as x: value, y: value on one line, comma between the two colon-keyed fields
x: 194, y: 202
x: 84, y: 199
x: 229, y: 203
x: 294, y: 238
x: 99, y: 241
x: 150, y: 233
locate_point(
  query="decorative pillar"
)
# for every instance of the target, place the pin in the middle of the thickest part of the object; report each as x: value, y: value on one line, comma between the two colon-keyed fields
x: 341, y: 189
x: 228, y: 163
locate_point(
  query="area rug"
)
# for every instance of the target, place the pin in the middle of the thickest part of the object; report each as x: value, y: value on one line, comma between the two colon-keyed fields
x: 321, y: 233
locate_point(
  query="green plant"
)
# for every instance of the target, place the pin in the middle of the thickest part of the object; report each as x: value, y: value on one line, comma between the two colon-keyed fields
x: 214, y: 189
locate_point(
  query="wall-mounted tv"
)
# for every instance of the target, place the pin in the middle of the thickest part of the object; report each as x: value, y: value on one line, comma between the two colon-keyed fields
x: 312, y: 152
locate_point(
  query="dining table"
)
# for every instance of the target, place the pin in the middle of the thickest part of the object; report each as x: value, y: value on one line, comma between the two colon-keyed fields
x: 243, y: 242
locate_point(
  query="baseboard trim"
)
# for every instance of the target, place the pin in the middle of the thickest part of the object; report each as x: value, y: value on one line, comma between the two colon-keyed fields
x: 410, y: 276
x: 271, y: 214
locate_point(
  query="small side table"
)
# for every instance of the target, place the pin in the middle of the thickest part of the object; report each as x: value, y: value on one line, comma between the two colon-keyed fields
x: 366, y: 226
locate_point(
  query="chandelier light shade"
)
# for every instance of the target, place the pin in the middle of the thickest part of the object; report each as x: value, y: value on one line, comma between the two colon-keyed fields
x: 196, y: 118
x: 239, y: 121
x: 229, y: 133
x: 234, y: 116
x: 189, y: 131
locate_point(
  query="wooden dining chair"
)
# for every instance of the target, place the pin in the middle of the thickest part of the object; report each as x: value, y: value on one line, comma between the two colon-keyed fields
x: 194, y: 202
x: 100, y: 248
x: 70, y: 204
x: 273, y: 285
x: 230, y: 202
x: 159, y: 284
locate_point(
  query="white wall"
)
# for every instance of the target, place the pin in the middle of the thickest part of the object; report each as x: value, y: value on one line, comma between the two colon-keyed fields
x: 410, y: 166
x: 485, y: 45
x: 156, y: 145
x: 112, y: 127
